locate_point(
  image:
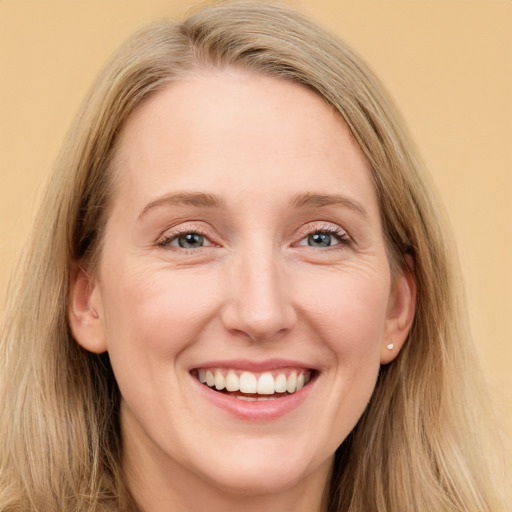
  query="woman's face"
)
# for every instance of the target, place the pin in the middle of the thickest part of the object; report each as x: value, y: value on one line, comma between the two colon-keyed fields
x: 244, y: 248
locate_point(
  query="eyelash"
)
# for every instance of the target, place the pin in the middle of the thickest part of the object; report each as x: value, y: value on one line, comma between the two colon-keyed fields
x: 340, y: 234
x: 166, y: 240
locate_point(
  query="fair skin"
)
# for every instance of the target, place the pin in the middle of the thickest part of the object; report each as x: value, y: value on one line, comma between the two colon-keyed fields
x: 244, y: 237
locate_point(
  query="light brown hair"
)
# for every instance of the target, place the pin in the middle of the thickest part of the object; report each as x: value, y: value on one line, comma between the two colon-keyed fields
x: 423, y: 443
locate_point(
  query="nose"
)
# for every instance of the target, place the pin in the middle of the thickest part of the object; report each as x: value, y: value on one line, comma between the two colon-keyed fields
x: 258, y: 305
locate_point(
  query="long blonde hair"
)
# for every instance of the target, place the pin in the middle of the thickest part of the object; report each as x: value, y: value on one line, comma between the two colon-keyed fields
x: 423, y: 443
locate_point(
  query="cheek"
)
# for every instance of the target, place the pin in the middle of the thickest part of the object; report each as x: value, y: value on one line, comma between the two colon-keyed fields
x: 344, y: 312
x: 152, y: 317
x: 155, y: 314
x: 348, y: 309
x: 349, y: 314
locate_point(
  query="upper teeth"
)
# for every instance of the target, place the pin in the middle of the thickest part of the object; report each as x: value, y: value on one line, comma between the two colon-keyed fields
x: 248, y: 382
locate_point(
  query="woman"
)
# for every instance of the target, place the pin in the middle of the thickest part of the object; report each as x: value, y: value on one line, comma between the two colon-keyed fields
x: 239, y: 294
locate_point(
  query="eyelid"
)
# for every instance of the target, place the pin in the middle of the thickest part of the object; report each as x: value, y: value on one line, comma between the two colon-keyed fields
x: 203, y: 229
x: 326, y: 227
x: 187, y: 227
x: 313, y: 227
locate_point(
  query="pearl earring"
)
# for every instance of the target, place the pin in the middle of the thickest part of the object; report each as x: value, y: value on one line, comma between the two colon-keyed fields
x: 390, y: 346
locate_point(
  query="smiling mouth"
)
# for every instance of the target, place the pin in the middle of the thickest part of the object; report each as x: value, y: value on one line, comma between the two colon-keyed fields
x: 252, y: 387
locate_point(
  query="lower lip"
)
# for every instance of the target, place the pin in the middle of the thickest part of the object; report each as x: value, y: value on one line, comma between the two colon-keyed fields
x: 265, y: 410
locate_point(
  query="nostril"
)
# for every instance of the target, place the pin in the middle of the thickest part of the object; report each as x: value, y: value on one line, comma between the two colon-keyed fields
x: 259, y: 326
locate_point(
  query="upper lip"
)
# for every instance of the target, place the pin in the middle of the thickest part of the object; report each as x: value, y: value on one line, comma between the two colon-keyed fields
x: 254, y: 366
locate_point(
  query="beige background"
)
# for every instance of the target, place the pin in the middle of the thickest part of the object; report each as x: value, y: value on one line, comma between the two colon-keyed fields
x: 448, y: 64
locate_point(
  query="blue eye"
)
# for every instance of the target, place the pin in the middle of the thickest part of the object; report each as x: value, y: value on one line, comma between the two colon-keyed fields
x: 320, y: 239
x: 190, y: 240
x: 324, y: 238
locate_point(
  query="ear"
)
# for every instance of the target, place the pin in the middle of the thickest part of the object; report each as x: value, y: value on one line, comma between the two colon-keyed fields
x: 85, y: 311
x: 400, y: 313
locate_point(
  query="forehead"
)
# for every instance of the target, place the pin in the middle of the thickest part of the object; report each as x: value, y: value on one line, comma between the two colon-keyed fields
x: 230, y: 129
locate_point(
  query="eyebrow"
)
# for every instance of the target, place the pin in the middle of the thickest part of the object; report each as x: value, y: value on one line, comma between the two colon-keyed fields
x: 312, y: 199
x: 204, y: 200
x: 198, y: 199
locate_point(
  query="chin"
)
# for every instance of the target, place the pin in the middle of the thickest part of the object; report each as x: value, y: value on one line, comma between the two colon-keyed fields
x: 264, y: 471
x: 253, y: 481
